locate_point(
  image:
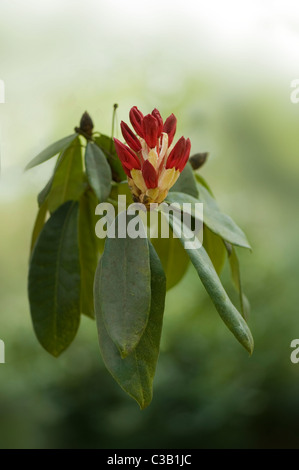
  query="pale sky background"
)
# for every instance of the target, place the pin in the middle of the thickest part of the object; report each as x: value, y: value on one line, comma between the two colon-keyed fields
x: 60, y: 57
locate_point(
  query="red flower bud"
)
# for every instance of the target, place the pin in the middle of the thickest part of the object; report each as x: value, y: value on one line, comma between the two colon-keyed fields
x: 159, y: 119
x: 158, y: 167
x: 128, y: 158
x: 177, y: 154
x: 149, y: 175
x: 136, y: 118
x: 185, y: 158
x: 129, y: 137
x: 170, y: 127
x: 150, y: 130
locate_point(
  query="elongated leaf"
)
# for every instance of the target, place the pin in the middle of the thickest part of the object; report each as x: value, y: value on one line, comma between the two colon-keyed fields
x: 98, y: 171
x: 173, y: 257
x: 54, y: 281
x: 186, y: 183
x: 42, y: 196
x: 236, y: 277
x: 68, y: 182
x: 135, y: 373
x: 88, y: 246
x: 124, y: 288
x: 203, y: 182
x: 220, y: 223
x: 216, y: 221
x: 39, y: 223
x: 215, y: 249
x: 205, y: 270
x: 51, y: 151
x: 182, y: 198
x: 106, y: 144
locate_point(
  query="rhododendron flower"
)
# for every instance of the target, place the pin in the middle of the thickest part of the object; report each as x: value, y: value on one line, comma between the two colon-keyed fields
x: 150, y: 162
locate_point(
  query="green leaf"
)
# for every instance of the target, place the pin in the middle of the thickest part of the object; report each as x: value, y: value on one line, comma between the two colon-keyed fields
x: 88, y: 247
x: 68, y: 182
x: 236, y: 277
x: 124, y: 288
x: 205, y: 270
x: 182, y: 198
x: 215, y: 248
x: 51, y: 151
x: 39, y: 223
x: 121, y: 189
x: 173, y: 257
x: 54, y: 281
x: 98, y: 171
x: 219, y: 223
x: 135, y: 373
x: 203, y: 182
x: 186, y: 182
x: 106, y: 144
x: 42, y: 196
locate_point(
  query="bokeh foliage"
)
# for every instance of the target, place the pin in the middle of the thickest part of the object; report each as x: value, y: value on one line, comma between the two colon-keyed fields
x: 207, y: 394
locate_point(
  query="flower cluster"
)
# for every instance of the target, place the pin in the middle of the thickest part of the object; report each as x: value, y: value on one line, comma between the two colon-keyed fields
x: 148, y: 159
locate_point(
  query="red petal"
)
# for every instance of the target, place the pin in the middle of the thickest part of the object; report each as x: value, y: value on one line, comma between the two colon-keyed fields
x: 175, y: 157
x: 159, y: 119
x: 185, y: 158
x: 128, y: 158
x: 136, y: 118
x: 150, y: 175
x: 129, y: 137
x: 128, y: 172
x: 170, y: 127
x: 150, y: 130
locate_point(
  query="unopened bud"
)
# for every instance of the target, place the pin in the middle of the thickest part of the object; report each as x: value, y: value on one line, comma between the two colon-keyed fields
x: 198, y: 159
x: 86, y: 124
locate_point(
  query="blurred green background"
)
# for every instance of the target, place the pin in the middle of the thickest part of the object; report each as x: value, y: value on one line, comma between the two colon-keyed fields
x: 224, y: 69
